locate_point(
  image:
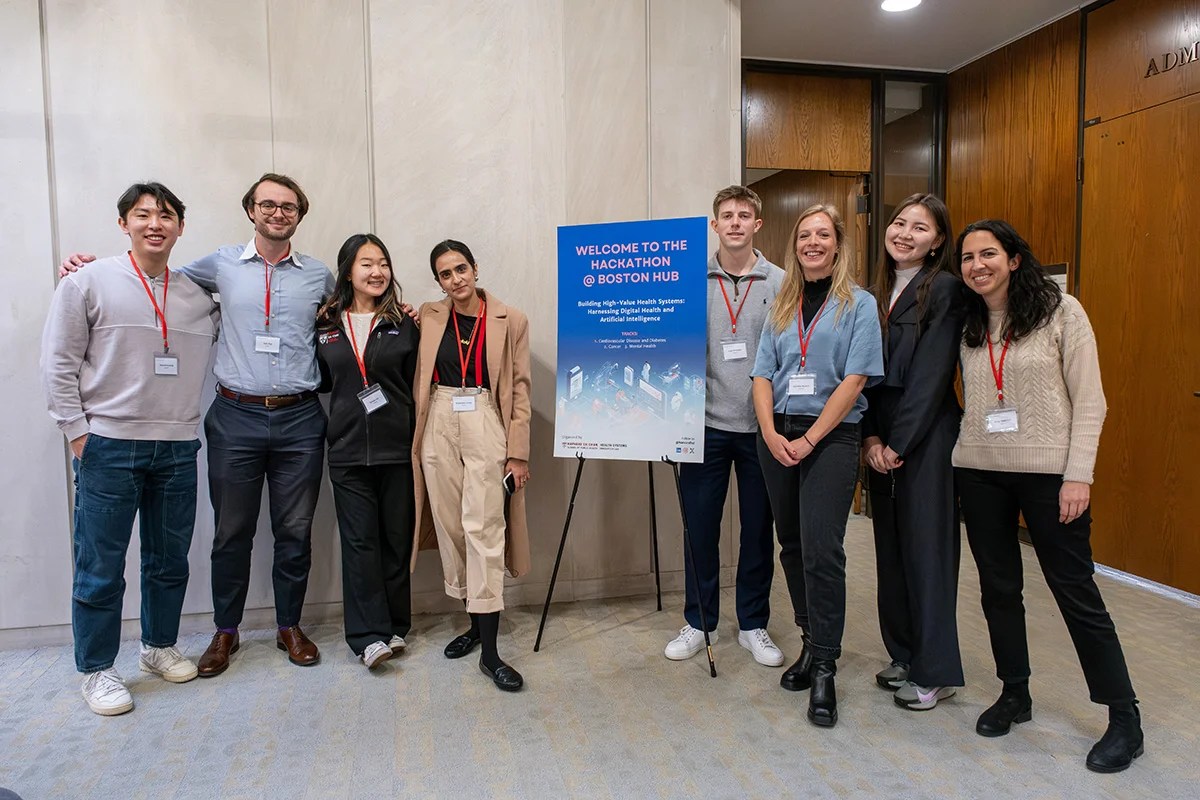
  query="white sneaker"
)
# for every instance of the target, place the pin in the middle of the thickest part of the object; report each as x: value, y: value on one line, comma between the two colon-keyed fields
x: 106, y: 693
x: 168, y: 663
x: 921, y: 698
x: 396, y: 644
x: 375, y: 654
x: 689, y: 642
x: 758, y: 642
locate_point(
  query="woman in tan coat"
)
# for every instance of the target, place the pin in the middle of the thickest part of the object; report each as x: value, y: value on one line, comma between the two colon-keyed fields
x: 471, y: 446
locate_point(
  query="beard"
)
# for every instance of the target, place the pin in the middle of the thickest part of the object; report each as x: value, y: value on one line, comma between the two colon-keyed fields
x: 264, y: 230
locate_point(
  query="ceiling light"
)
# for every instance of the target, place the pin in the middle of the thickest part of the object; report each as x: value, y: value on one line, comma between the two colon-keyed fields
x: 899, y: 5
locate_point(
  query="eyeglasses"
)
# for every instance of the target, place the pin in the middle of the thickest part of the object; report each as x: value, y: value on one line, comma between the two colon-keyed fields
x: 269, y: 207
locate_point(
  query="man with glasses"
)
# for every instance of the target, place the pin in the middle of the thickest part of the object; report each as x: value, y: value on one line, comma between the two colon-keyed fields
x: 266, y: 421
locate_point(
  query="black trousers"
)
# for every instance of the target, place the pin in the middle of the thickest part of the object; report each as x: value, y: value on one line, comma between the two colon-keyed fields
x: 991, y: 502
x: 811, y: 502
x: 245, y: 445
x: 705, y: 487
x: 375, y: 516
x: 917, y: 550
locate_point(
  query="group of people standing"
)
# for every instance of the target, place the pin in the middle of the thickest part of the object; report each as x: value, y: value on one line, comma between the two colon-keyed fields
x: 808, y: 376
x: 844, y: 376
x: 427, y: 434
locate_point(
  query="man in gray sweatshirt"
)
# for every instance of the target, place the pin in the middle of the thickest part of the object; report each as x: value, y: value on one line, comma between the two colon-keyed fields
x: 124, y: 356
x: 741, y: 287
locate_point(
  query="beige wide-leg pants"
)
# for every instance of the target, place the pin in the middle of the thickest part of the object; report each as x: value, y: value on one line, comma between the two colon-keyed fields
x: 462, y: 456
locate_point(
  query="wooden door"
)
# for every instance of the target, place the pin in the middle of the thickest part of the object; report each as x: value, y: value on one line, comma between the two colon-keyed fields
x: 788, y: 192
x: 1139, y: 284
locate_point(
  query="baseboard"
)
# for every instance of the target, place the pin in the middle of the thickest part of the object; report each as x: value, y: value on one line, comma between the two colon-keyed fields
x: 428, y: 602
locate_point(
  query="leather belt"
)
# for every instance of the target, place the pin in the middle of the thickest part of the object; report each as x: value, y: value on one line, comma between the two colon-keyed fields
x: 269, y: 401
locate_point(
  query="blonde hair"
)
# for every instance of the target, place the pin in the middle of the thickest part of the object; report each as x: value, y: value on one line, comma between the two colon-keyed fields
x: 787, y: 302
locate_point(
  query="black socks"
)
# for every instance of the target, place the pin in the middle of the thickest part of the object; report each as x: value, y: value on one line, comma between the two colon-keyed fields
x: 488, y: 628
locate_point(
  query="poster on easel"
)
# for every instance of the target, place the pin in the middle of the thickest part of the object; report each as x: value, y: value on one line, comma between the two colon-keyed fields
x: 631, y: 340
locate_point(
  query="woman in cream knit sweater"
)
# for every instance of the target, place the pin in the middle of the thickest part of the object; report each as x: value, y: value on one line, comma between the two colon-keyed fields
x: 1034, y: 407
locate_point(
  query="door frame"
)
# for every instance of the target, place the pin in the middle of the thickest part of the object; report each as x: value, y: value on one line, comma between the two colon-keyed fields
x: 878, y: 77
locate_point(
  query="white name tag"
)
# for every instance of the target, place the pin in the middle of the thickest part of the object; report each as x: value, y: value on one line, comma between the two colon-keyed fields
x: 264, y: 343
x: 166, y: 364
x: 1001, y: 420
x: 804, y: 383
x: 734, y: 351
x: 463, y: 402
x: 372, y: 398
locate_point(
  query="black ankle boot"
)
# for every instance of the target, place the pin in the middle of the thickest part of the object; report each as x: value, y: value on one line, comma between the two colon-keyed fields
x: 798, y: 677
x: 1014, y: 705
x: 1121, y: 743
x: 822, y: 699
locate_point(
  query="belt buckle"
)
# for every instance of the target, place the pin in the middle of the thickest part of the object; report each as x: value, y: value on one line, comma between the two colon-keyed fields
x: 271, y: 402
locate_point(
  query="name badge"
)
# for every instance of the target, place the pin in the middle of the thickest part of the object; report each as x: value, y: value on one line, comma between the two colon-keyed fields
x: 1001, y: 420
x: 165, y: 364
x: 463, y: 402
x: 734, y: 350
x: 372, y: 398
x: 804, y: 383
x: 265, y: 343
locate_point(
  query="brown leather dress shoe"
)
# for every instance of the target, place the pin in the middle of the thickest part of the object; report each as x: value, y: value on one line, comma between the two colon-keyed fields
x: 301, y: 650
x: 216, y: 658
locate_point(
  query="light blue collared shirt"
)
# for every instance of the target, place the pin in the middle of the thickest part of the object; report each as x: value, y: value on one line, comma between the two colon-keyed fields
x: 299, y: 284
x: 851, y: 345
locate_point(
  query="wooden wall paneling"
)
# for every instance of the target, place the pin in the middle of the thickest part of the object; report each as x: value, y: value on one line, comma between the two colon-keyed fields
x: 1123, y: 37
x: 1141, y: 227
x: 786, y: 194
x: 807, y: 122
x: 1012, y: 128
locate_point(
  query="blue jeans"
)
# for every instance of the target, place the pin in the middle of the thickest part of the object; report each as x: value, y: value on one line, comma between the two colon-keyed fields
x: 116, y: 480
x: 704, y: 488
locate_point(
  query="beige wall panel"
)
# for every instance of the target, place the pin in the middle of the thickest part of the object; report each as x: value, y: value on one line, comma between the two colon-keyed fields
x: 607, y: 180
x: 468, y: 110
x: 177, y: 92
x: 35, y: 546
x: 319, y: 110
x: 695, y: 150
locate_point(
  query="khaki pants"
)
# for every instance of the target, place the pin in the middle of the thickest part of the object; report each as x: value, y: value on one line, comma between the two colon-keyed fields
x: 463, y: 455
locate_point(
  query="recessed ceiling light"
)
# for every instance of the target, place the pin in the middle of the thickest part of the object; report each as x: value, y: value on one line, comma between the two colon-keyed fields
x: 899, y: 5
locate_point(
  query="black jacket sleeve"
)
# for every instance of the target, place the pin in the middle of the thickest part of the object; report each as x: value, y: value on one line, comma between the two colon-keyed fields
x: 931, y: 374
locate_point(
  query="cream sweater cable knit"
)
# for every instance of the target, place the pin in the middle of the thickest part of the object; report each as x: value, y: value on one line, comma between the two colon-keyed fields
x: 1052, y: 377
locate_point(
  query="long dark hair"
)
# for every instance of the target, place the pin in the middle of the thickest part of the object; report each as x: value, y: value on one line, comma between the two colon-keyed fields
x: 387, y: 307
x: 940, y: 256
x: 1033, y: 297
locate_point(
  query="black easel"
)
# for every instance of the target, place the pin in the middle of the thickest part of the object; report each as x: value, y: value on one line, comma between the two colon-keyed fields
x: 654, y: 538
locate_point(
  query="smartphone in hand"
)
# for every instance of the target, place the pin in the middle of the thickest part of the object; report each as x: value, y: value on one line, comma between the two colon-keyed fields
x: 510, y: 484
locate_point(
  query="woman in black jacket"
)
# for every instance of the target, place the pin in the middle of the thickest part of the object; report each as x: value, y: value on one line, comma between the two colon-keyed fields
x: 909, y: 431
x: 367, y: 351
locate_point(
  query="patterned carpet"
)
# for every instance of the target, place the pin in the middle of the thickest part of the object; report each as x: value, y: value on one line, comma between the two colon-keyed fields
x: 604, y: 715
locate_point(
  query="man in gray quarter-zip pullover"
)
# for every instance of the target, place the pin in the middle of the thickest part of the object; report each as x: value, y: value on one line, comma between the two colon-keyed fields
x: 741, y: 288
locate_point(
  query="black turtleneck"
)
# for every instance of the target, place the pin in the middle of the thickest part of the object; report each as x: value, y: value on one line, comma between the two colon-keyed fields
x: 815, y: 293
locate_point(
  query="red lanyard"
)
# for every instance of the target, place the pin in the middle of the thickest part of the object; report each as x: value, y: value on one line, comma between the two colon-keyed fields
x: 159, y: 314
x: 464, y: 355
x: 268, y: 268
x: 362, y: 365
x: 805, y: 339
x: 998, y: 372
x: 733, y: 318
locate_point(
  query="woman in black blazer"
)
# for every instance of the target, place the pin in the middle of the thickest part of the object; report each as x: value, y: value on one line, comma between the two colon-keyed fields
x: 367, y: 352
x: 909, y: 432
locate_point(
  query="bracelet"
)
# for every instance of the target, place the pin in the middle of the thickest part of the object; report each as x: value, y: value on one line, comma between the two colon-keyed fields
x: 810, y: 444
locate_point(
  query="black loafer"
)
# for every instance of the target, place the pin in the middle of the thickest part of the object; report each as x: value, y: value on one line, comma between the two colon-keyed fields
x: 505, y: 677
x: 462, y: 645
